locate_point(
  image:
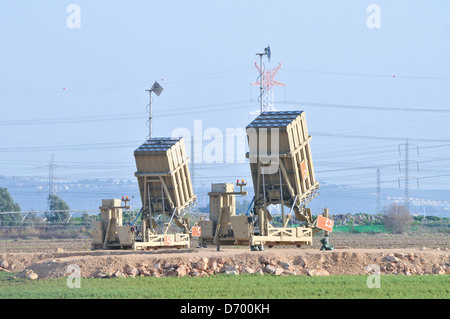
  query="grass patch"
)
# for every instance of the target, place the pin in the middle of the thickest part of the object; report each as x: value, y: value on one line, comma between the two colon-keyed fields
x: 229, y: 287
x: 373, y: 229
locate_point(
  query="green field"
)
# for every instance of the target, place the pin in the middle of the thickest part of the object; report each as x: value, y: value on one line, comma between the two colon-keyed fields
x: 360, y: 229
x: 230, y: 287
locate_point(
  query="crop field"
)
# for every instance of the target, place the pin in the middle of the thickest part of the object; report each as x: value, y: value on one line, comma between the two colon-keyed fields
x: 409, y: 267
x: 230, y: 287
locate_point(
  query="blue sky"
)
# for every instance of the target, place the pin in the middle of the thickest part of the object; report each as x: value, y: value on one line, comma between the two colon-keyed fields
x: 79, y: 93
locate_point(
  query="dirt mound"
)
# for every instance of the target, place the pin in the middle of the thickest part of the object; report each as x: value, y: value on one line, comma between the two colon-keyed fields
x: 205, y: 262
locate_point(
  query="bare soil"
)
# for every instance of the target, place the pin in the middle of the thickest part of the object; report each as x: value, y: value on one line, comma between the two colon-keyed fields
x: 353, y: 254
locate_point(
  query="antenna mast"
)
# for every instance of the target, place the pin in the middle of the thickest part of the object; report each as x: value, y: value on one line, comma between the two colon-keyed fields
x: 157, y: 89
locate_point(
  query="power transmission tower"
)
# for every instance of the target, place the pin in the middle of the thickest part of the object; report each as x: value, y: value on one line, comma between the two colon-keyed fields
x: 192, y: 161
x: 378, y: 192
x: 51, y: 180
x: 266, y: 83
x: 407, y: 177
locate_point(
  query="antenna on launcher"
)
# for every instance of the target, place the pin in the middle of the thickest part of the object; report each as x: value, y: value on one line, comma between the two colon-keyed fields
x: 157, y: 89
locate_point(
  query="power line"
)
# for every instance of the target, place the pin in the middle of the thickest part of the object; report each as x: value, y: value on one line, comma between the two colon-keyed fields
x: 365, y: 107
x: 115, y: 86
x: 378, y: 192
x: 387, y: 138
x: 374, y: 75
x: 129, y: 116
x: 206, y: 108
x: 206, y: 76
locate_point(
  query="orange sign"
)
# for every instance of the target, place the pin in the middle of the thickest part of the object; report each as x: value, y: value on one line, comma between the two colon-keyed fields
x: 196, y: 231
x: 167, y: 240
x: 325, y: 223
x: 303, y: 170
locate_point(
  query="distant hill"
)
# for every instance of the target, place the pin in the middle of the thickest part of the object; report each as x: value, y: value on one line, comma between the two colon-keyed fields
x: 344, y: 199
x: 87, y: 194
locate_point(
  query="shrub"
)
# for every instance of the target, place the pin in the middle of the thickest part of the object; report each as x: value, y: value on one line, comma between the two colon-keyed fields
x: 397, y: 218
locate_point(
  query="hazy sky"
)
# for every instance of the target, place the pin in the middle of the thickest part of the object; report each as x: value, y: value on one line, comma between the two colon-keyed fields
x: 75, y: 88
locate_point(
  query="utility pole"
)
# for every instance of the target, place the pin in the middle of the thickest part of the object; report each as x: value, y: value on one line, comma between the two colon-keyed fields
x: 378, y: 192
x: 407, y: 175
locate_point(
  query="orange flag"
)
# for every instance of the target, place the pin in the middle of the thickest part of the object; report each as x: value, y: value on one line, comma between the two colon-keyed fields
x: 325, y: 223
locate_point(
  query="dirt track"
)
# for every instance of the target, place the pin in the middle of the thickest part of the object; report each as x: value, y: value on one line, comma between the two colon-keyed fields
x: 352, y: 255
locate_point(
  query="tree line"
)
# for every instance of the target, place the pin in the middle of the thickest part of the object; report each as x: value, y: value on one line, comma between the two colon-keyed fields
x: 58, y: 210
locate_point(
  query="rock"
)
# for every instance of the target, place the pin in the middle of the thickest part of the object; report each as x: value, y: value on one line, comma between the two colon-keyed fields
x: 439, y: 271
x: 31, y: 275
x: 300, y: 261
x: 417, y: 271
x: 264, y: 260
x: 59, y: 250
x: 182, y: 271
x: 301, y: 272
x: 289, y: 273
x: 390, y: 258
x: 447, y: 268
x: 231, y: 271
x: 194, y: 273
x: 171, y: 272
x: 247, y: 270
x: 201, y: 264
x: 270, y: 269
x: 101, y: 274
x: 259, y: 271
x: 390, y: 267
x: 144, y: 272
x: 119, y: 274
x: 399, y: 255
x: 317, y: 272
x: 278, y: 271
x: 131, y: 271
x: 4, y: 264
x: 213, y: 265
x: 285, y: 266
x: 167, y: 265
